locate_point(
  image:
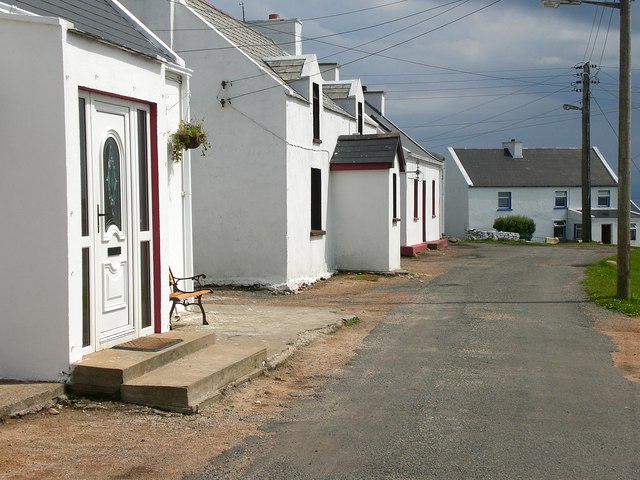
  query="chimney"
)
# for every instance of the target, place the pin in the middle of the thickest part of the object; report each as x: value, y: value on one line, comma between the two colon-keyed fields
x: 513, y: 147
x: 330, y: 72
x: 375, y: 98
x: 286, y: 33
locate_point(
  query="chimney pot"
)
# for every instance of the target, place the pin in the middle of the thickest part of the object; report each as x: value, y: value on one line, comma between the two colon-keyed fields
x: 274, y: 16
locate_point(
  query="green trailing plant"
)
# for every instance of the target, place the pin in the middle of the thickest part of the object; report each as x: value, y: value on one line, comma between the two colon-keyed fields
x: 520, y: 224
x: 189, y: 135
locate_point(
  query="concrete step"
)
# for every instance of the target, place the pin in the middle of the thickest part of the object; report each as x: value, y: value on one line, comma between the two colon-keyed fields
x: 188, y: 384
x: 102, y: 373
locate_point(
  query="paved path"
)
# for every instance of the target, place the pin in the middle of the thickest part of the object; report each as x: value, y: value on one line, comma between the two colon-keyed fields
x: 494, y: 371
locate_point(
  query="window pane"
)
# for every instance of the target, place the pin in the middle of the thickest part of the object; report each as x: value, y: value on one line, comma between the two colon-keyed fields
x: 504, y: 200
x: 143, y: 171
x: 145, y: 284
x: 316, y: 199
x: 603, y: 198
x: 561, y: 199
x: 84, y: 199
x: 112, y: 184
x: 86, y: 300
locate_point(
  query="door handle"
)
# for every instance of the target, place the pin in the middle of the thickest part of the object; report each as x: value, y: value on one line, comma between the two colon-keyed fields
x: 99, y: 215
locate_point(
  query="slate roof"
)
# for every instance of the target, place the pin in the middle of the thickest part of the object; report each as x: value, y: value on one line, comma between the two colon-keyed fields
x: 255, y: 44
x: 287, y: 68
x: 368, y: 149
x: 337, y: 90
x: 407, y: 142
x: 539, y: 167
x: 103, y: 20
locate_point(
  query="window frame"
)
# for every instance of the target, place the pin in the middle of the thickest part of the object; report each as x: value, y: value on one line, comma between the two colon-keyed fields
x: 560, y: 224
x: 606, y: 196
x: 563, y: 197
x: 508, y: 198
x: 316, y: 112
x: 316, y: 202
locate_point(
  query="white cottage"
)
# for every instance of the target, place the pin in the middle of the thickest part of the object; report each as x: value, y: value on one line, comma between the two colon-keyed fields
x: 261, y: 196
x: 421, y: 186
x: 542, y: 183
x: 93, y: 211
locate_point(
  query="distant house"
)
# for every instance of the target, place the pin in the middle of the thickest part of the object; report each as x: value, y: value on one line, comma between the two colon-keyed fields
x: 261, y: 195
x: 93, y: 211
x: 421, y: 186
x: 542, y: 183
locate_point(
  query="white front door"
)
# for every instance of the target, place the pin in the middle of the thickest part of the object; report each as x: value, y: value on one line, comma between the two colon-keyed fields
x: 118, y: 235
x: 112, y: 150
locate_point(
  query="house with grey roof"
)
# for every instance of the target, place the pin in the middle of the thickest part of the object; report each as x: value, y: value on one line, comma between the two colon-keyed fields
x: 421, y: 184
x: 261, y: 193
x: 93, y: 209
x: 542, y: 183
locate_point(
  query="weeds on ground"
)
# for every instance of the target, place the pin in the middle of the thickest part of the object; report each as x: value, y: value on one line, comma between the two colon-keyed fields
x: 601, y: 285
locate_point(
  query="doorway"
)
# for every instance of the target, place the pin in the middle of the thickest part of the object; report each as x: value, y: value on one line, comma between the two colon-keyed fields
x: 606, y: 234
x: 117, y: 233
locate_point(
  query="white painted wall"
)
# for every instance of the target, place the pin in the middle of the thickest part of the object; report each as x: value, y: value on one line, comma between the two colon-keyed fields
x: 412, y: 227
x: 40, y: 200
x: 363, y: 203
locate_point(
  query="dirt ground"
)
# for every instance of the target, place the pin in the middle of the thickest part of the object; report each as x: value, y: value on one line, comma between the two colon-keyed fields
x: 108, y: 440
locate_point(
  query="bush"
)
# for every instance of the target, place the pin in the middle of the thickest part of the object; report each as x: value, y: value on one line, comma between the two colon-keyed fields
x: 525, y: 226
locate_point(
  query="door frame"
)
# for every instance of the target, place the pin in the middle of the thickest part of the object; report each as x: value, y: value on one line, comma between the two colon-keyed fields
x: 154, y: 214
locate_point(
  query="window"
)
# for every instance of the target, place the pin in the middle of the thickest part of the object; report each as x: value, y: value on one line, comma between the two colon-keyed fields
x: 578, y: 231
x: 561, y: 199
x: 395, y: 197
x: 415, y: 199
x: 634, y: 231
x: 316, y: 202
x: 504, y: 200
x: 433, y: 198
x: 560, y: 229
x: 604, y: 198
x: 316, y: 113
x: 360, y: 119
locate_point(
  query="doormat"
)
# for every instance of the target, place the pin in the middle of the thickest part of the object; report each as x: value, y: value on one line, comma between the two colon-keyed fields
x: 148, y: 344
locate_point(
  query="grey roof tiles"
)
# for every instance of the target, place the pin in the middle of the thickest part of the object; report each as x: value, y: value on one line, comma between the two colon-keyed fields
x: 539, y: 167
x: 101, y: 19
x: 368, y: 149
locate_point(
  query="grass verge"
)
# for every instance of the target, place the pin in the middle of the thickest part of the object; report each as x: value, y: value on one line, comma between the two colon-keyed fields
x: 601, y: 285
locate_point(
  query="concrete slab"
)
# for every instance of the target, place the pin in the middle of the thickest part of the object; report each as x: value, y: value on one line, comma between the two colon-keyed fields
x: 281, y: 330
x: 20, y: 398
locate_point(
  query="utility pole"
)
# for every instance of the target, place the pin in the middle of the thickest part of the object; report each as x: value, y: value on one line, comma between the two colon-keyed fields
x: 586, y: 153
x: 624, y: 155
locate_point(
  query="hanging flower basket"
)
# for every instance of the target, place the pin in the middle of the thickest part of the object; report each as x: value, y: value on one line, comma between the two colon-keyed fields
x: 188, y: 136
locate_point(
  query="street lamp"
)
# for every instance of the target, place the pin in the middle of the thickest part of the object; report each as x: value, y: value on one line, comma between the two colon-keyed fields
x: 624, y: 140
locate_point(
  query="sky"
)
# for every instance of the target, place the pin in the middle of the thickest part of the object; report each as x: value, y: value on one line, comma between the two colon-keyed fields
x: 475, y: 73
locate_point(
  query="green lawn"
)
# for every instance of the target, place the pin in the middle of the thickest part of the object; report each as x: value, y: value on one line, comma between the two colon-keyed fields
x: 600, y: 284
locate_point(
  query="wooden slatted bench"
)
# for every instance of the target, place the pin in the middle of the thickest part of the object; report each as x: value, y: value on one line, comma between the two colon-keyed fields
x: 185, y: 297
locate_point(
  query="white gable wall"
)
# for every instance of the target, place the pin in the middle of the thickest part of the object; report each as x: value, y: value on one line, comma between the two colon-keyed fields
x: 33, y: 202
x: 456, y: 186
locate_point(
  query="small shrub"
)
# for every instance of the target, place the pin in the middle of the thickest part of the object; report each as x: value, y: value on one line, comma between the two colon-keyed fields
x: 525, y: 226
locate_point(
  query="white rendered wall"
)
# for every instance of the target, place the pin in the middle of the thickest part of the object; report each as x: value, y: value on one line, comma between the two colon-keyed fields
x: 34, y: 339
x: 239, y: 188
x: 412, y: 227
x: 361, y: 205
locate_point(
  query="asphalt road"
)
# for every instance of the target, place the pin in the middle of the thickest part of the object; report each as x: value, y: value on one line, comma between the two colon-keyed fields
x: 494, y: 371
